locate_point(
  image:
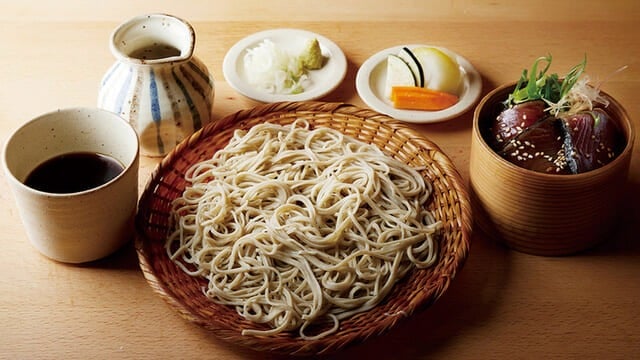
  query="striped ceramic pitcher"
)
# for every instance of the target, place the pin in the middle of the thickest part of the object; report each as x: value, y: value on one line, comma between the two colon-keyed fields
x: 156, y: 83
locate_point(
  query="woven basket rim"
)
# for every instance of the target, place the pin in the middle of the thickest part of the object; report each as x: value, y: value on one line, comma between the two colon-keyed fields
x: 459, y: 223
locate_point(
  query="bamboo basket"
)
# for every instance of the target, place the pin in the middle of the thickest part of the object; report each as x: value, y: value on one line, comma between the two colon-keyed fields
x: 538, y: 213
x: 418, y: 290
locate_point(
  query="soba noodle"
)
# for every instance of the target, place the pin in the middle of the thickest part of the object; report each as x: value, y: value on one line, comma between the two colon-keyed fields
x: 296, y: 226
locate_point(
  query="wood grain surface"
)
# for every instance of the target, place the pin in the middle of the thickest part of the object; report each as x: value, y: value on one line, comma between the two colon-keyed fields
x: 503, y: 304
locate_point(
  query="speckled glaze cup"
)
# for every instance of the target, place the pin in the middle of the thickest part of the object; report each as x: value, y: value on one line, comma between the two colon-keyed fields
x: 540, y: 213
x: 81, y: 226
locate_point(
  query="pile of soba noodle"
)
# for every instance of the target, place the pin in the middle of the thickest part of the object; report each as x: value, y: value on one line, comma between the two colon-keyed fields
x: 296, y: 226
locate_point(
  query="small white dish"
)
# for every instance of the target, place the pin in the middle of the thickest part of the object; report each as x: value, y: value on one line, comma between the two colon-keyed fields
x: 293, y: 41
x: 371, y: 78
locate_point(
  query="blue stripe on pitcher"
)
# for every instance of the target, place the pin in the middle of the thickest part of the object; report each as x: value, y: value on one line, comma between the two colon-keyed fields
x: 155, y: 108
x: 192, y: 108
x: 119, y: 103
x: 113, y: 69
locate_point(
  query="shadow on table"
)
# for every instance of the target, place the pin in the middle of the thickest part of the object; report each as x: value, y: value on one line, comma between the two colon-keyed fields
x: 624, y: 239
x: 470, y: 301
x: 124, y: 258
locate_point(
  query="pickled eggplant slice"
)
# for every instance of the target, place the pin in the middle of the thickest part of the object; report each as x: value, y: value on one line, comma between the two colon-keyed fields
x: 514, y: 120
x: 596, y: 139
x: 544, y: 147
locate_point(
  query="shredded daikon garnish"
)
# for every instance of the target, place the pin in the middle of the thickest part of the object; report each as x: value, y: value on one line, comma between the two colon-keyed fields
x: 566, y: 96
x: 579, y: 98
x: 274, y: 70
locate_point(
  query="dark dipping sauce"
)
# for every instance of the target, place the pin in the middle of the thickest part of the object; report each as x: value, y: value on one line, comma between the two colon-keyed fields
x: 155, y: 52
x: 73, y: 172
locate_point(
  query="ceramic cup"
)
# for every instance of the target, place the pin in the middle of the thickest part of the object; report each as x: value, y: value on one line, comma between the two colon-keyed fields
x: 81, y: 226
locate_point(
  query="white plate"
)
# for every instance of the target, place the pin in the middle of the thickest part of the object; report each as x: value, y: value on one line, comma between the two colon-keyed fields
x: 371, y: 78
x: 323, y: 80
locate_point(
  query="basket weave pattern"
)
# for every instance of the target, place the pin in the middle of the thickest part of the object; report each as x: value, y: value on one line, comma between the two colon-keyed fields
x: 419, y: 289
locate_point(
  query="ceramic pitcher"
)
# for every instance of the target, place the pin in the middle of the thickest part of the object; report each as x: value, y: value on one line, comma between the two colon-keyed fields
x: 157, y: 83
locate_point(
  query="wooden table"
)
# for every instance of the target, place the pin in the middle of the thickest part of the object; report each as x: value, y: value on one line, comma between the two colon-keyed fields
x: 503, y: 304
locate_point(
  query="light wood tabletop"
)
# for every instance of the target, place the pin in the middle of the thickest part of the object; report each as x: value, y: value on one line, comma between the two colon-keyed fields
x: 502, y: 304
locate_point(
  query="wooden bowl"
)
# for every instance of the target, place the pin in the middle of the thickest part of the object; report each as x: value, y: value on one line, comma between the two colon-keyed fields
x: 538, y: 213
x: 416, y: 291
